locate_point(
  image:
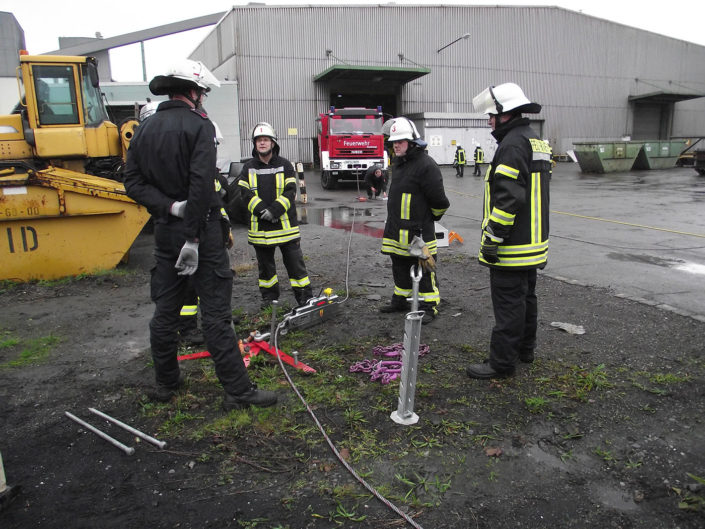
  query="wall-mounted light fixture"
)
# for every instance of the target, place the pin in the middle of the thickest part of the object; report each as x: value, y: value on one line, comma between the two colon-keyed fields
x: 465, y: 36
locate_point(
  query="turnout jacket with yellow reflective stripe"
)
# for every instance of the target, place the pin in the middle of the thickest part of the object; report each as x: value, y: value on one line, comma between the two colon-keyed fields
x: 270, y: 185
x: 416, y: 199
x: 516, y: 197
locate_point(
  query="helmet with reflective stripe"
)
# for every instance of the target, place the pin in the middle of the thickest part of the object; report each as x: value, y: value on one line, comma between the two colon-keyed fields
x: 148, y: 109
x: 185, y: 74
x: 263, y: 129
x: 507, y: 97
x: 401, y: 129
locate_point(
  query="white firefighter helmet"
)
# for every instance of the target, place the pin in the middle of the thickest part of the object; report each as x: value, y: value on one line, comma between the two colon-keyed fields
x: 183, y: 74
x: 401, y: 129
x: 507, y: 97
x: 263, y: 129
x: 148, y: 109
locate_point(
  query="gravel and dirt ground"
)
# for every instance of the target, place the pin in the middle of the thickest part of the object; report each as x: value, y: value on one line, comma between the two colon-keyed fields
x: 604, y: 429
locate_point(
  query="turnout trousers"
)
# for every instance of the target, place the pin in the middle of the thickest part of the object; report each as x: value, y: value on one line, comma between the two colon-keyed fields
x: 515, y: 314
x: 293, y: 259
x: 429, y: 296
x: 213, y: 283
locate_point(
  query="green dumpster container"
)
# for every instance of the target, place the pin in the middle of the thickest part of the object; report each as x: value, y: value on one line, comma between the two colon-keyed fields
x: 607, y: 157
x: 659, y: 154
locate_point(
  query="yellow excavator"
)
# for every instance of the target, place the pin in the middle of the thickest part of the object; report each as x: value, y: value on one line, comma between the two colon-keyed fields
x: 63, y: 209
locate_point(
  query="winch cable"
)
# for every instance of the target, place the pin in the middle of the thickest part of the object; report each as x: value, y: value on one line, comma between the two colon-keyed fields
x: 347, y: 259
x: 335, y: 451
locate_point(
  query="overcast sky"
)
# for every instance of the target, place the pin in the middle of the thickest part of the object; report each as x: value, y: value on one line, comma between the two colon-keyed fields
x: 44, y: 21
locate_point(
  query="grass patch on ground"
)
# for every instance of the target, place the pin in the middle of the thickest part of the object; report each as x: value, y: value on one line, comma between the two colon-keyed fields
x: 29, y: 351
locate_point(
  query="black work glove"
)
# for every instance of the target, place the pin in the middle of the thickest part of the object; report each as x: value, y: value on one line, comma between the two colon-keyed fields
x: 488, y: 249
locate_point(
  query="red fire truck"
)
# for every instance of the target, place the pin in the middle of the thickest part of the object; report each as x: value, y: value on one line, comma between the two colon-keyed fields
x: 349, y: 141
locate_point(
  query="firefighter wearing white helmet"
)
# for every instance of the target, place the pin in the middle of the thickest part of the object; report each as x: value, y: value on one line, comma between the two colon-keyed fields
x: 268, y: 185
x: 514, y: 239
x: 416, y: 199
x: 170, y: 169
x: 148, y: 109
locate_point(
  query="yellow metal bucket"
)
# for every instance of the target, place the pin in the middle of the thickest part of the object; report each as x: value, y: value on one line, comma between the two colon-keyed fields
x: 56, y: 223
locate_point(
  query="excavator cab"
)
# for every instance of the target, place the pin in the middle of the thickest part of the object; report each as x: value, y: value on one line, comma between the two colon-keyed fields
x: 64, y: 211
x: 64, y: 119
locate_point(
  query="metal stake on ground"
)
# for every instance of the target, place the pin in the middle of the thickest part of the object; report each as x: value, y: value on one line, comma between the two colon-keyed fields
x: 410, y: 356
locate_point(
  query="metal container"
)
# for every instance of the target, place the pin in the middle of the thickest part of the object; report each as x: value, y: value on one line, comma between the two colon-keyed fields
x: 608, y: 157
x: 56, y: 223
x: 659, y: 154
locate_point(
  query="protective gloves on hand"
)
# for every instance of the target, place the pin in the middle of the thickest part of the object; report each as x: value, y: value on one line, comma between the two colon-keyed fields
x: 178, y: 209
x: 267, y: 215
x: 489, y: 247
x: 418, y: 248
x: 187, y: 263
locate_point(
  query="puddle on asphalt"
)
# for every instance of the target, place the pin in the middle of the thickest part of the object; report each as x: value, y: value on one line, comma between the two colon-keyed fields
x: 693, y: 268
x: 677, y: 264
x: 364, y: 221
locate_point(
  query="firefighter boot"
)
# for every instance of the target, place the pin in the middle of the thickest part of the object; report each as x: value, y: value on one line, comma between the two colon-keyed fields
x: 252, y: 397
x: 396, y: 305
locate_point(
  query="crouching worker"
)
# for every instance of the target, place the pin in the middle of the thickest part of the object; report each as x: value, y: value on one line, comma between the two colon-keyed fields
x: 170, y: 170
x: 376, y: 182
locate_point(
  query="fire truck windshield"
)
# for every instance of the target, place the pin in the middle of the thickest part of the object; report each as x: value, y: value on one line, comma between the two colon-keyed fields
x: 345, y: 125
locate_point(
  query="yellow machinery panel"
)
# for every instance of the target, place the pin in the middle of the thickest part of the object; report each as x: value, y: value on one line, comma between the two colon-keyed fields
x: 12, y: 143
x: 60, y: 142
x: 56, y: 223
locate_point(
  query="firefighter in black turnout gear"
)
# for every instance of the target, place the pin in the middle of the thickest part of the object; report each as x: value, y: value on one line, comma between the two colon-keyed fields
x: 416, y: 199
x: 459, y: 161
x: 479, y: 158
x: 171, y: 170
x: 514, y: 227
x: 268, y: 185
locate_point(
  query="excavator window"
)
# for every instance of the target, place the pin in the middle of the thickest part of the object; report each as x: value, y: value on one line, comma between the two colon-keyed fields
x: 93, y: 107
x: 56, y: 95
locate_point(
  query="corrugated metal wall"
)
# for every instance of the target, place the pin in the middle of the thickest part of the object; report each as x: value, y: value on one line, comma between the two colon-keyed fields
x: 582, y: 69
x: 12, y: 38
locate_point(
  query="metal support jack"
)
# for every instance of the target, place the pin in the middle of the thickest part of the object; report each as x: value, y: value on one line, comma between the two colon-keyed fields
x: 410, y: 356
x: 256, y: 343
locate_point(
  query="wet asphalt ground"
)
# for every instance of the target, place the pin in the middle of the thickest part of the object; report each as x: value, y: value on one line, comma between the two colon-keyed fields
x: 638, y: 234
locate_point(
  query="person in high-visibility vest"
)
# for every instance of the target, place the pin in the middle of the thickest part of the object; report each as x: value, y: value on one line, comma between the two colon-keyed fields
x: 514, y: 241
x: 459, y: 161
x: 479, y: 157
x: 417, y: 198
x: 268, y: 186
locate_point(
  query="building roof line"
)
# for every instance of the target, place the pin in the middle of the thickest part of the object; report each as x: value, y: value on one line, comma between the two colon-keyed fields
x: 98, y: 45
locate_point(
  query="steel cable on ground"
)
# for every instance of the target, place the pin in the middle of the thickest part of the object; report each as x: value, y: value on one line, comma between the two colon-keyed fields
x: 335, y: 451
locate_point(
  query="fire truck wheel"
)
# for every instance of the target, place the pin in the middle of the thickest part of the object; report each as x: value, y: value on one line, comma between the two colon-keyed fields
x: 328, y: 181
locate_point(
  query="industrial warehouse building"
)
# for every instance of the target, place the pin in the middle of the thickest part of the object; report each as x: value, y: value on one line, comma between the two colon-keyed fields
x: 597, y: 80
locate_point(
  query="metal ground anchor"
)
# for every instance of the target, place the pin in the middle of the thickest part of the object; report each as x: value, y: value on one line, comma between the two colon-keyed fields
x: 410, y: 357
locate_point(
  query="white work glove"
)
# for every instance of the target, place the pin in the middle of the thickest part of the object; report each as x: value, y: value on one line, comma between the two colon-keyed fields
x: 178, y: 209
x: 267, y: 215
x: 187, y: 263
